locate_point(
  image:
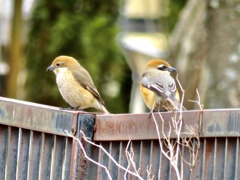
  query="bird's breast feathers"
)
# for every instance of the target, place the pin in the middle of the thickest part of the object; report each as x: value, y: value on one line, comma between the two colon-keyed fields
x: 71, y: 90
x: 60, y: 71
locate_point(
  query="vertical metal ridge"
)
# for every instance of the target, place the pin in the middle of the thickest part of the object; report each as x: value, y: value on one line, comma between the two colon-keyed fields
x: 41, y: 156
x: 59, y: 156
x: 109, y: 163
x: 34, y: 154
x: 103, y: 159
x: 136, y: 146
x: 182, y: 166
x: 18, y: 151
x: 120, y: 160
x: 30, y: 153
x: 7, y: 153
x: 204, y: 160
x: 160, y: 161
x: 225, y: 158
x: 12, y: 153
x: 94, y: 167
x: 170, y: 170
x: 52, y: 158
x: 145, y: 156
x: 131, y: 147
x: 45, y: 155
x: 154, y: 156
x: 150, y: 161
x: 64, y: 162
x: 100, y: 155
x: 22, y: 159
x: 237, y: 159
x: 3, y: 150
x: 194, y: 174
x: 114, y: 150
x: 214, y: 158
x: 140, y: 160
x: 151, y: 153
x: 69, y: 157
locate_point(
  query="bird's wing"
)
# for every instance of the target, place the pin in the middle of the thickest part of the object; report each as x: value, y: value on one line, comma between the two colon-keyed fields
x: 85, y: 80
x: 163, y: 86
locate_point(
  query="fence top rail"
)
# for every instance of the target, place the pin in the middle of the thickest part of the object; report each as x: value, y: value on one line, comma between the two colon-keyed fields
x: 37, y: 117
x: 206, y: 123
x: 115, y: 127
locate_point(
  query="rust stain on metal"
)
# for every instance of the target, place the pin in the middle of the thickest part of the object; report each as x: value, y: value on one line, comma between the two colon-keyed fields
x: 138, y: 126
x: 37, y: 117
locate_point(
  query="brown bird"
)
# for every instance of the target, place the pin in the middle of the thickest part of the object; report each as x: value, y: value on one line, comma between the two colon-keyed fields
x: 75, y: 84
x: 158, y: 88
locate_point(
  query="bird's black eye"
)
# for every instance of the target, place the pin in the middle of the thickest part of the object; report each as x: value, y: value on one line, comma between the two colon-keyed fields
x: 58, y: 64
x: 162, y: 68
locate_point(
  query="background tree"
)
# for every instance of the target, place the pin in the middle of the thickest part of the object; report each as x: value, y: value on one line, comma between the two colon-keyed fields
x: 87, y: 31
x: 15, y: 49
x: 205, y: 45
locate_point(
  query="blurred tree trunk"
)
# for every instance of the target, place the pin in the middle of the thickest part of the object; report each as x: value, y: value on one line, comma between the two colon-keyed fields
x: 187, y: 47
x: 14, y: 55
x: 223, y: 55
x: 205, y: 47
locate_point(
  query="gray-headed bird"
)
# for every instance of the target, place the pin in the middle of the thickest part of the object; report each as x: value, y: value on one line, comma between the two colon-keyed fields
x: 158, y: 88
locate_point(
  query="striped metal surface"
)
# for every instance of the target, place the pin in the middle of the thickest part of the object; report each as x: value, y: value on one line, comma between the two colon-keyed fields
x: 36, y: 142
x: 218, y: 156
x: 218, y: 159
x: 27, y: 154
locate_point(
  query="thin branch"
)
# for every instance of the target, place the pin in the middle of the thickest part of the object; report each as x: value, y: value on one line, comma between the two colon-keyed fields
x: 88, y: 158
x: 109, y: 155
x: 104, y: 150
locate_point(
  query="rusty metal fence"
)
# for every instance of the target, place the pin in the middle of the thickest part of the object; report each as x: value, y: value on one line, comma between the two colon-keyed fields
x: 36, y: 142
x: 218, y: 156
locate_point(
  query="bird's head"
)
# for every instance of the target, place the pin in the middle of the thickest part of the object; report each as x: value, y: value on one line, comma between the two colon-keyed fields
x: 63, y: 63
x: 159, y: 65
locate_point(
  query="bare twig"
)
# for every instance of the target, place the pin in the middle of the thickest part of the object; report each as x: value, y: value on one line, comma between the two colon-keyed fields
x: 88, y: 158
x: 109, y: 155
x: 104, y: 150
x: 149, y: 173
x: 126, y: 152
x: 130, y: 159
x: 173, y: 152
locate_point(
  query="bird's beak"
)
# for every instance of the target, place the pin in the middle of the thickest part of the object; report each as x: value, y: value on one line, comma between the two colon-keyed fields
x: 50, y: 68
x: 172, y: 69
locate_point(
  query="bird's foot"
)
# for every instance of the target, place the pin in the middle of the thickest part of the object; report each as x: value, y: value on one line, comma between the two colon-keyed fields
x: 71, y: 108
x: 63, y: 108
x: 150, y: 114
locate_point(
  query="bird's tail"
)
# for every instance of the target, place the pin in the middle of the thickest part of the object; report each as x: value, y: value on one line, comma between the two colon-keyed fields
x: 177, y: 105
x: 103, y: 109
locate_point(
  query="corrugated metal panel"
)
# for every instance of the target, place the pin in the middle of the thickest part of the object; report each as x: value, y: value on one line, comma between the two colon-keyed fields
x: 218, y: 156
x: 80, y: 167
x: 218, y: 159
x: 34, y: 144
x: 26, y: 154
